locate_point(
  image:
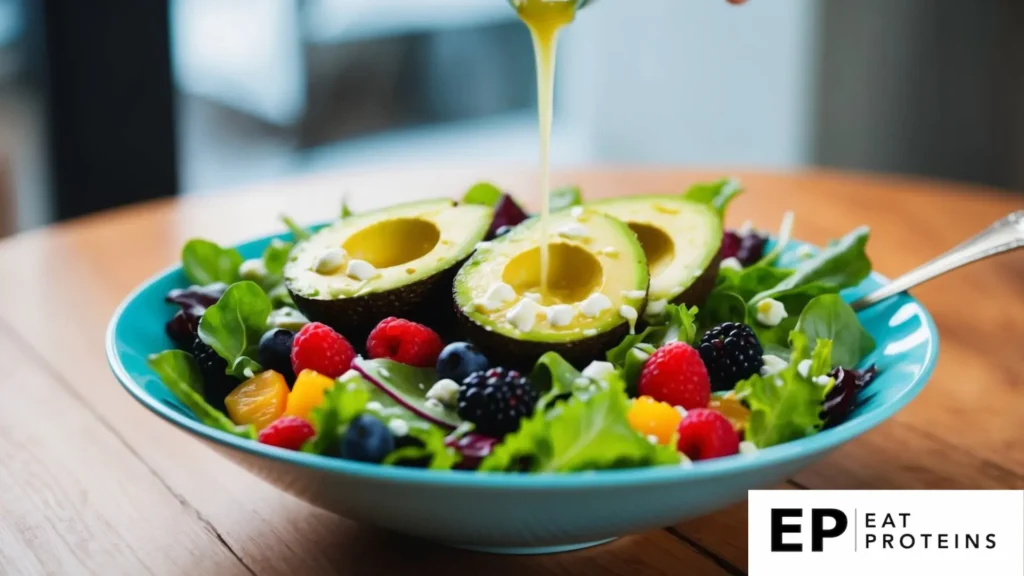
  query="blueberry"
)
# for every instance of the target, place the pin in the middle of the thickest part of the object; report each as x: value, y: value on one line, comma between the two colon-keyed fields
x: 367, y: 440
x: 460, y: 359
x: 276, y: 352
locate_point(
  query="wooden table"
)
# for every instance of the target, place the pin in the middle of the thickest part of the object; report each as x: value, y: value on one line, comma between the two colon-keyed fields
x: 90, y: 482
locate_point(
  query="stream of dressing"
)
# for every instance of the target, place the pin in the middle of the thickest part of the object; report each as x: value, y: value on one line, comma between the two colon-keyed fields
x: 545, y: 18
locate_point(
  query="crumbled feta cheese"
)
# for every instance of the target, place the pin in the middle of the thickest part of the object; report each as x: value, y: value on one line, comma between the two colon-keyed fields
x: 770, y: 312
x: 483, y: 245
x: 681, y: 410
x: 576, y: 212
x: 599, y: 370
x: 499, y: 296
x: 652, y: 438
x: 252, y: 269
x: 772, y: 365
x: 590, y: 332
x: 804, y: 368
x: 656, y: 308
x: 361, y: 270
x: 609, y: 251
x: 398, y: 427
x: 573, y: 231
x: 595, y: 304
x: 731, y: 263
x: 523, y: 315
x: 329, y: 261
x: 634, y: 294
x: 247, y: 372
x: 560, y: 315
x: 433, y: 404
x: 581, y: 382
x: 628, y: 312
x: 445, y: 391
x: 823, y: 380
x: 374, y: 406
x: 384, y: 372
x: 748, y: 448
x: 532, y: 296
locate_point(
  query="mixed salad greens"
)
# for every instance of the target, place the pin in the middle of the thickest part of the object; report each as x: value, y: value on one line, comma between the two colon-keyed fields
x: 768, y: 357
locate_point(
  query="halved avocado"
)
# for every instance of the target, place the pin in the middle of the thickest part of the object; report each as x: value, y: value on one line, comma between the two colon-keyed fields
x: 397, y: 261
x: 682, y: 241
x: 593, y: 258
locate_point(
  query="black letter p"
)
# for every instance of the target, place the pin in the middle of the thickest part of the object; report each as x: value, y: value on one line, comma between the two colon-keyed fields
x: 818, y: 532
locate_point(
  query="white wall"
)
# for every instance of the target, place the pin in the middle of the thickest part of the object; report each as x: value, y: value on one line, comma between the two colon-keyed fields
x: 691, y: 81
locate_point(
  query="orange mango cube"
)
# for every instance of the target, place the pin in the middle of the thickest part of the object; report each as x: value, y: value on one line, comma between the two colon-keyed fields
x: 307, y: 393
x: 259, y: 400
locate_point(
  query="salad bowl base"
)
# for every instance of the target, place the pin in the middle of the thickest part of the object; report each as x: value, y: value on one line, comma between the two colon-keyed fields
x: 529, y: 550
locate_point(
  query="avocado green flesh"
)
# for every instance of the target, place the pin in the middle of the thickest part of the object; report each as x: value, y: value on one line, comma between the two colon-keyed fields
x: 606, y: 260
x: 681, y: 239
x: 413, y: 251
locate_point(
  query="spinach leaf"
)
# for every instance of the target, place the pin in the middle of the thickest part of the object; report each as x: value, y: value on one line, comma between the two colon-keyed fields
x: 180, y: 373
x: 721, y: 306
x: 829, y: 317
x: 275, y: 256
x: 205, y: 262
x: 484, y: 194
x: 841, y: 265
x: 716, y: 194
x: 233, y: 327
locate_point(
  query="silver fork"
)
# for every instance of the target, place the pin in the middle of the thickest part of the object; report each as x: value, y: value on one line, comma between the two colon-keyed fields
x: 1005, y: 235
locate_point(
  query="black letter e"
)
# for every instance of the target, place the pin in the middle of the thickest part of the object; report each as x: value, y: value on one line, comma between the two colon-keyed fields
x: 779, y: 528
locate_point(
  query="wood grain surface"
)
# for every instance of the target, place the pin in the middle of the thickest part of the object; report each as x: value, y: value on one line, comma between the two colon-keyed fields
x: 90, y: 482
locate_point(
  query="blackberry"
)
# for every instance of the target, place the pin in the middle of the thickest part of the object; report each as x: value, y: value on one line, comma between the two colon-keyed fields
x: 217, y: 384
x: 731, y: 352
x: 496, y: 400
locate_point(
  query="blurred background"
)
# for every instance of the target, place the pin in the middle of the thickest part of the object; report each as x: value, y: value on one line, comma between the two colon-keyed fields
x: 109, y: 102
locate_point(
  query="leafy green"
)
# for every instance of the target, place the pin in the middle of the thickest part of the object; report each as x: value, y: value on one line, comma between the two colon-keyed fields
x: 565, y: 197
x: 275, y: 256
x: 345, y: 210
x: 678, y: 324
x: 785, y: 406
x: 484, y: 194
x: 842, y: 264
x: 280, y: 297
x: 716, y: 194
x: 633, y: 365
x: 553, y: 378
x: 205, y: 262
x: 722, y: 306
x: 750, y: 281
x: 580, y: 434
x: 233, y: 327
x: 430, y: 448
x: 681, y: 326
x: 180, y: 373
x: 409, y: 383
x: 829, y: 317
x: 298, y: 232
x: 781, y: 241
x: 821, y: 358
x: 342, y: 403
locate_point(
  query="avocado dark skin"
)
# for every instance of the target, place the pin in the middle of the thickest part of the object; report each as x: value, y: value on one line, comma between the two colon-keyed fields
x: 698, y: 292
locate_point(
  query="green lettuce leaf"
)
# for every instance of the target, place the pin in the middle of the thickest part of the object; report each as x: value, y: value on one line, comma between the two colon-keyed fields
x: 484, y: 194
x: 342, y: 403
x: 785, y: 406
x: 554, y: 379
x: 579, y: 434
x: 430, y: 448
x: 275, y: 256
x: 633, y: 365
x: 843, y: 264
x: 565, y: 197
x: 345, y: 210
x: 233, y: 327
x: 716, y: 194
x: 750, y: 281
x: 180, y: 373
x: 205, y: 262
x: 722, y: 306
x: 828, y: 317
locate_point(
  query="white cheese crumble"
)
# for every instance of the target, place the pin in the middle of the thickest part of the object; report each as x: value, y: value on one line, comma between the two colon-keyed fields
x: 629, y: 313
x: 560, y: 315
x: 599, y: 370
x: 581, y: 382
x: 398, y: 427
x: 770, y: 312
x: 384, y: 372
x: 576, y: 212
x: 656, y: 308
x: 595, y: 304
x: 247, y: 372
x: 445, y: 391
x: 433, y: 404
x: 329, y: 261
x: 499, y: 296
x: 804, y: 368
x: 573, y: 231
x: 523, y: 315
x: 590, y: 332
x: 652, y: 438
x: 681, y: 410
x: 361, y: 270
x: 483, y: 245
x: 823, y: 380
x: 532, y: 296
x: 730, y: 263
x: 748, y: 448
x: 634, y: 294
x: 772, y: 365
x: 374, y: 406
x: 252, y: 269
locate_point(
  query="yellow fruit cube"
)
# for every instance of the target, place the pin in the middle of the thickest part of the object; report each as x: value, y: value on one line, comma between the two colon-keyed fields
x: 652, y: 418
x: 259, y: 400
x: 307, y: 393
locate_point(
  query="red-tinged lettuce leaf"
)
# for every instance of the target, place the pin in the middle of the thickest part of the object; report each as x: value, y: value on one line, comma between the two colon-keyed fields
x: 579, y: 434
x: 787, y: 406
x: 407, y: 385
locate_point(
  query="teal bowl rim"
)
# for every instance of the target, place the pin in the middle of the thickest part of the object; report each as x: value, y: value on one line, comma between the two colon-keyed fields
x: 780, y: 454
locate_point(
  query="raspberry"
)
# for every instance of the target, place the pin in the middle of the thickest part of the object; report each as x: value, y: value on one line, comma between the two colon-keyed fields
x: 319, y: 348
x: 406, y: 342
x: 731, y: 352
x: 705, y: 434
x: 675, y: 374
x: 496, y: 400
x: 288, y: 432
